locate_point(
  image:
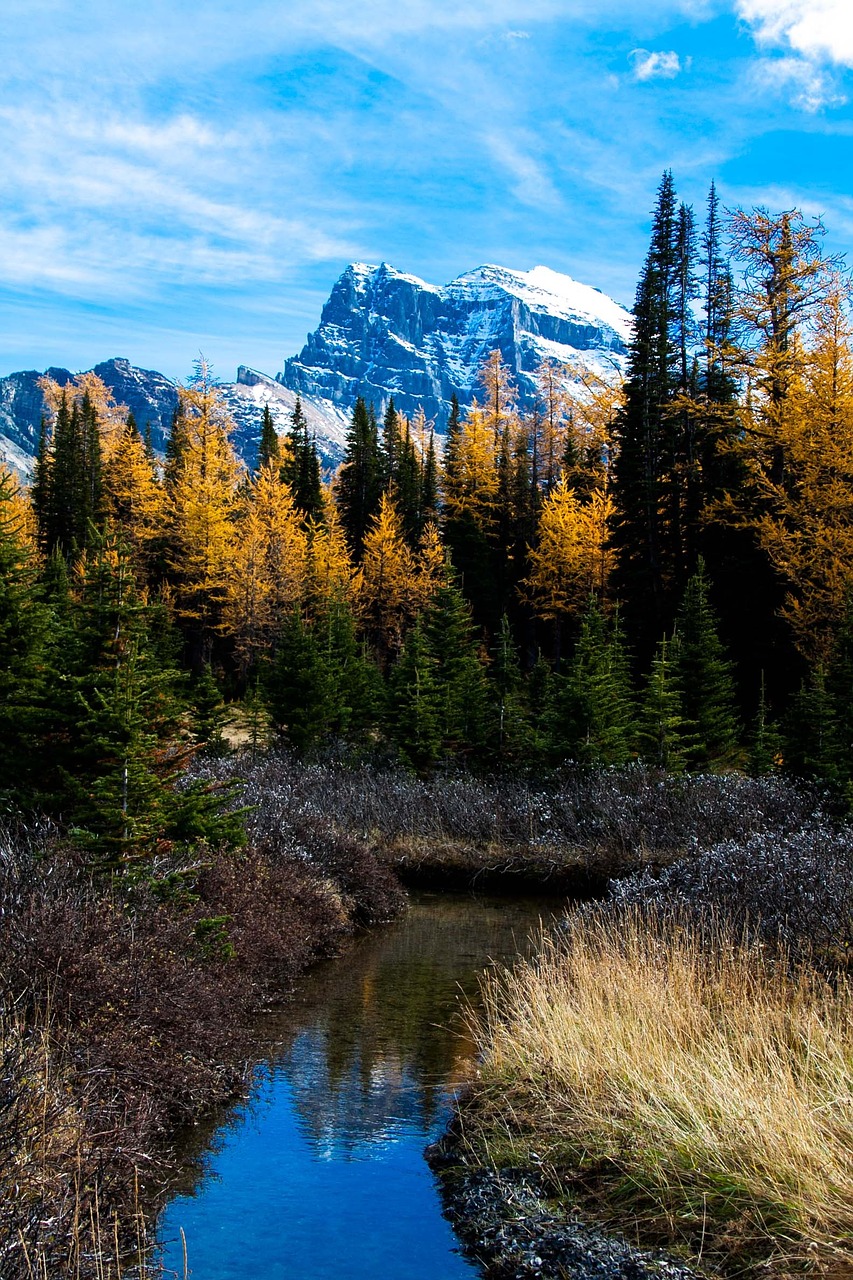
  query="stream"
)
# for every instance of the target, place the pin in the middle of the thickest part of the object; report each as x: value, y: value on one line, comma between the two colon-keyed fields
x: 320, y: 1175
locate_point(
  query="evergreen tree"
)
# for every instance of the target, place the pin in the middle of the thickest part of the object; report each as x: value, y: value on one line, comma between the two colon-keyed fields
x: 120, y: 781
x: 207, y: 713
x: 511, y: 735
x: 296, y: 686
x: 24, y: 645
x: 811, y: 731
x: 706, y: 678
x: 765, y: 739
x: 414, y: 703
x: 407, y: 487
x: 665, y: 737
x: 301, y: 467
x: 592, y: 709
x: 69, y: 478
x: 268, y: 448
x: 355, y: 689
x: 359, y: 486
x: 391, y: 445
x: 648, y: 535
x: 458, y: 672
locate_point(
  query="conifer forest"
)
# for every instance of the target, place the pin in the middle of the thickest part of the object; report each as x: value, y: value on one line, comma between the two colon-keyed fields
x: 655, y: 571
x: 605, y: 638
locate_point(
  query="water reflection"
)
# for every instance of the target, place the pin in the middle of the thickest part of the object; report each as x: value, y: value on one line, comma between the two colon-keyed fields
x: 323, y: 1174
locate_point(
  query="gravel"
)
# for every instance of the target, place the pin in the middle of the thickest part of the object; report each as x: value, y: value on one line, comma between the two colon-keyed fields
x: 506, y: 1224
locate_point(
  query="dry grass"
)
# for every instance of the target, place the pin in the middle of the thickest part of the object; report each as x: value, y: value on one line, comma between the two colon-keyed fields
x: 702, y: 1089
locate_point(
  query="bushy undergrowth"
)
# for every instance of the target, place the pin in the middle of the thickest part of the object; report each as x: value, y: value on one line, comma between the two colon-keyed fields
x: 609, y: 820
x: 125, y: 1007
x: 686, y: 1083
x: 794, y: 887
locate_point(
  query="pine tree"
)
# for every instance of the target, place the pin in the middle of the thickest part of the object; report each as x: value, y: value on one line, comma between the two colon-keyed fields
x: 69, y: 485
x: 359, y: 482
x: 300, y: 468
x: 207, y: 714
x: 268, y: 448
x: 296, y: 686
x: 458, y: 671
x: 121, y: 794
x: 355, y: 689
x: 706, y: 679
x: 593, y: 711
x: 24, y: 646
x: 664, y: 735
x: 511, y: 736
x: 391, y: 444
x: 413, y: 702
x: 765, y: 739
x: 647, y: 534
x: 811, y: 731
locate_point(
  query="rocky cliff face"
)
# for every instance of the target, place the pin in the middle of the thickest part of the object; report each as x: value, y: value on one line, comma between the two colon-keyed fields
x: 383, y: 333
x: 152, y: 397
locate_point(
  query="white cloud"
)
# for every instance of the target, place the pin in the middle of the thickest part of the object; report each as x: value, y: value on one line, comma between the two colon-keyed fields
x: 809, y: 86
x: 648, y: 65
x: 819, y: 30
x: 531, y: 183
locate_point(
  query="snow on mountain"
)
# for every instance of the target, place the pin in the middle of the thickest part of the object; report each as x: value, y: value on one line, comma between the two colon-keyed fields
x: 152, y: 398
x: 252, y: 392
x: 384, y: 333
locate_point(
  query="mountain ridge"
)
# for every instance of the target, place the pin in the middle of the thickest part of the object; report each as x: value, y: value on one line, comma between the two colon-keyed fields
x: 382, y: 333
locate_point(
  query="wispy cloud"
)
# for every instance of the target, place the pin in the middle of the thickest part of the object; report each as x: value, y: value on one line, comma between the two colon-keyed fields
x: 204, y: 169
x: 656, y: 65
x: 808, y: 85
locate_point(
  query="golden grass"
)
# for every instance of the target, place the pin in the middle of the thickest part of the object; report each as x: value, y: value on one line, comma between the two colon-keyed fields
x: 702, y: 1091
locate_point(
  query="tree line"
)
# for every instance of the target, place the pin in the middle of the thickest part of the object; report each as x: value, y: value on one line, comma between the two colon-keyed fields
x: 654, y: 569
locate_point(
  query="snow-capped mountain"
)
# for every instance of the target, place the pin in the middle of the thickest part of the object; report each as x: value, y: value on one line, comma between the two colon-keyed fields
x: 384, y: 333
x: 152, y: 397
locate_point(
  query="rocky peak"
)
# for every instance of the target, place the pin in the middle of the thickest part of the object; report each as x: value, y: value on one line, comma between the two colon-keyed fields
x: 384, y: 333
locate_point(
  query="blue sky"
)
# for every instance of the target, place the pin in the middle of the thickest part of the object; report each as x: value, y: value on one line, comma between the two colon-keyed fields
x: 179, y: 178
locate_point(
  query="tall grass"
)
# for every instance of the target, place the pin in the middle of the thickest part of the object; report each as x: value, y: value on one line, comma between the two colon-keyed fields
x: 698, y: 1088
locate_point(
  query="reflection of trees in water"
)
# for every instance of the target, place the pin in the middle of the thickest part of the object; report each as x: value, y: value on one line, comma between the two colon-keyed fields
x: 380, y: 1035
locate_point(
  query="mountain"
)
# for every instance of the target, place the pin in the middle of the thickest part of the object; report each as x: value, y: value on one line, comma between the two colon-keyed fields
x: 383, y: 333
x: 152, y: 397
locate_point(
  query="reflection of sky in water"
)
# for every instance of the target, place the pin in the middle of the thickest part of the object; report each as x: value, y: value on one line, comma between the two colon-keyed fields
x: 322, y: 1174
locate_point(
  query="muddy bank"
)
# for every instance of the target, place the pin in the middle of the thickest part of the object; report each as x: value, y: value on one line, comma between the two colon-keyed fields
x: 456, y: 867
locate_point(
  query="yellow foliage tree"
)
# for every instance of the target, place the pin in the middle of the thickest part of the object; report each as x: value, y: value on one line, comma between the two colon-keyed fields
x: 331, y: 577
x: 470, y: 488
x: 201, y: 507
x: 269, y: 566
x: 390, y: 585
x: 430, y: 565
x: 112, y: 417
x: 19, y: 516
x: 134, y: 497
x: 807, y: 523
x: 571, y: 557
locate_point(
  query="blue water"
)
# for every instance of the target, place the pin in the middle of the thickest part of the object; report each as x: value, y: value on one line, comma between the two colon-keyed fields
x: 322, y: 1173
